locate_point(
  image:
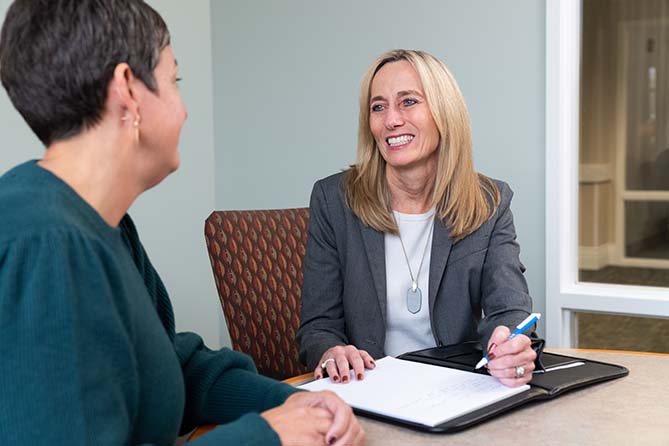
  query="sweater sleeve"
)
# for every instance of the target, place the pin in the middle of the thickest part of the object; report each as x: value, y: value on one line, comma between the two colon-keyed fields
x: 66, y: 368
x: 222, y: 386
x: 249, y: 430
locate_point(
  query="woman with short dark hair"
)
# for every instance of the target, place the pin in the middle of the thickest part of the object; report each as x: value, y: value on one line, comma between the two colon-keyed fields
x: 88, y: 349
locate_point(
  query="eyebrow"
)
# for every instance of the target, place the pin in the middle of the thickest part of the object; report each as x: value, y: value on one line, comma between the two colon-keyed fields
x: 400, y: 94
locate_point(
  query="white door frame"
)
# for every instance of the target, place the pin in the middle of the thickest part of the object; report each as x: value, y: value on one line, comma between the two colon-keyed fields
x: 564, y: 294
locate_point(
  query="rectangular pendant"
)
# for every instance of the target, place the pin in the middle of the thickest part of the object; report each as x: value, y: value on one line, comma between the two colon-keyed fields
x: 414, y: 300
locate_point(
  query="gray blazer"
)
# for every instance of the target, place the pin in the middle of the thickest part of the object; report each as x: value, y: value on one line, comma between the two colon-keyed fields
x: 344, y: 290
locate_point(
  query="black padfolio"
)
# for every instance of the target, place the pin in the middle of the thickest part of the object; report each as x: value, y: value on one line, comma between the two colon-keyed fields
x: 546, y: 383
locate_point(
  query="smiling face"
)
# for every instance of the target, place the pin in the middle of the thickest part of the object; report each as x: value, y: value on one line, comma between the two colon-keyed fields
x: 400, y: 119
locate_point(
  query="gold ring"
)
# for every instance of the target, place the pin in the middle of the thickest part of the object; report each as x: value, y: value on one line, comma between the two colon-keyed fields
x: 325, y: 363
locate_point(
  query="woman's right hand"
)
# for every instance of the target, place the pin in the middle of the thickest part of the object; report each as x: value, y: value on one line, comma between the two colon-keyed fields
x: 297, y: 425
x: 340, y: 359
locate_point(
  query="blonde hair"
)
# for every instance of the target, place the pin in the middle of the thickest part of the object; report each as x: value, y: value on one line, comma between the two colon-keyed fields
x: 463, y: 199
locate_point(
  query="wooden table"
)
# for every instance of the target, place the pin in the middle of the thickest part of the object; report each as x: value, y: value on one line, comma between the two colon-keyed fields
x: 629, y: 411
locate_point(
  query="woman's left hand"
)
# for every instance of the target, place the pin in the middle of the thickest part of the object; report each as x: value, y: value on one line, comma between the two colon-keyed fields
x: 344, y: 430
x: 510, y: 361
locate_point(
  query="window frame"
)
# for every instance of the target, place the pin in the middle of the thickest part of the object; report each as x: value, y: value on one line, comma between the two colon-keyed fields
x: 565, y: 295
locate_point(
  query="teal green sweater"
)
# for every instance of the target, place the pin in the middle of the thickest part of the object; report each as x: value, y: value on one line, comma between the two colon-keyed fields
x: 88, y: 351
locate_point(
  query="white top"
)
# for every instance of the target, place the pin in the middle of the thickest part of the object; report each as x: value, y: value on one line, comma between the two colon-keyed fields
x: 406, y: 331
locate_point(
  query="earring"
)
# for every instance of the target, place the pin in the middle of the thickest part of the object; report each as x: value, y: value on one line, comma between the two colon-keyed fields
x: 135, y: 124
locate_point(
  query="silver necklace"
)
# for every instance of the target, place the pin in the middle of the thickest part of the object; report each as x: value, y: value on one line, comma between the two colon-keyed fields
x: 414, y: 294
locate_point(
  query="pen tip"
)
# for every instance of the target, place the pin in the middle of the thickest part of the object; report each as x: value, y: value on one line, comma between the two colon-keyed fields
x: 480, y: 364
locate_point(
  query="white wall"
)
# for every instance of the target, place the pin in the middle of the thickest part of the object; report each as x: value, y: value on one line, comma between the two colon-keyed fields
x: 286, y: 87
x: 170, y: 218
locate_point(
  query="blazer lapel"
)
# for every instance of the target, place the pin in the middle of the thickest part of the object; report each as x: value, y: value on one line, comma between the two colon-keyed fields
x: 441, y: 249
x: 376, y: 256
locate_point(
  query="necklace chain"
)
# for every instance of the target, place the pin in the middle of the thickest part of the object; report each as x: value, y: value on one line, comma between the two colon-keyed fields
x: 414, y: 281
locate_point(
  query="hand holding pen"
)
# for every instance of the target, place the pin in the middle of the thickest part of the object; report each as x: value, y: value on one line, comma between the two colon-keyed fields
x: 510, y: 356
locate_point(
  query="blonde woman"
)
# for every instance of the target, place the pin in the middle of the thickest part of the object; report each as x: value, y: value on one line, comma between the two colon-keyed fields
x: 410, y: 248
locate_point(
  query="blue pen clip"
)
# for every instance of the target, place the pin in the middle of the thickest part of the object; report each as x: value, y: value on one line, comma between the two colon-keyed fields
x: 520, y: 329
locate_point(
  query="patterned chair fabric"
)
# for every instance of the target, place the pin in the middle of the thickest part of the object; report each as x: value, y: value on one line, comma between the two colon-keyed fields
x: 256, y: 257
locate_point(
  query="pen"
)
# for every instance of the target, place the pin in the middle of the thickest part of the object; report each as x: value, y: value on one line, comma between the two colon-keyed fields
x: 520, y: 329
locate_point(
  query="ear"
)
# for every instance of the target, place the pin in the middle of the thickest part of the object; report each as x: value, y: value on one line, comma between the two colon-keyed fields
x: 122, y: 95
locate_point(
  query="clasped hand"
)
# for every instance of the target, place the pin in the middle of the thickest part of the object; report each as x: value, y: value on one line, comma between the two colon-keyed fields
x: 315, y: 418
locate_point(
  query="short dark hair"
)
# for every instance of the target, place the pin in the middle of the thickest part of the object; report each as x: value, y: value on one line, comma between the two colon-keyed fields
x: 57, y: 58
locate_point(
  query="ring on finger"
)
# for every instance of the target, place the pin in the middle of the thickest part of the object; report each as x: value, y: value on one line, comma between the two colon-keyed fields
x: 520, y: 371
x: 324, y: 364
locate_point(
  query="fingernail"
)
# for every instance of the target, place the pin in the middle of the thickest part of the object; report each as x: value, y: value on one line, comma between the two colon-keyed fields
x: 332, y: 440
x: 492, y: 347
x: 373, y: 363
x: 360, y: 376
x: 335, y: 378
x: 344, y: 378
x: 319, y: 376
x: 491, y: 356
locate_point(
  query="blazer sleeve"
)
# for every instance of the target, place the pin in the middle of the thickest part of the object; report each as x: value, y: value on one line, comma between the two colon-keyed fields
x: 505, y: 296
x: 322, y: 322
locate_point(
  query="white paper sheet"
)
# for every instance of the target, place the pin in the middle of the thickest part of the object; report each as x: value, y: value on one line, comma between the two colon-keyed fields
x: 421, y: 393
